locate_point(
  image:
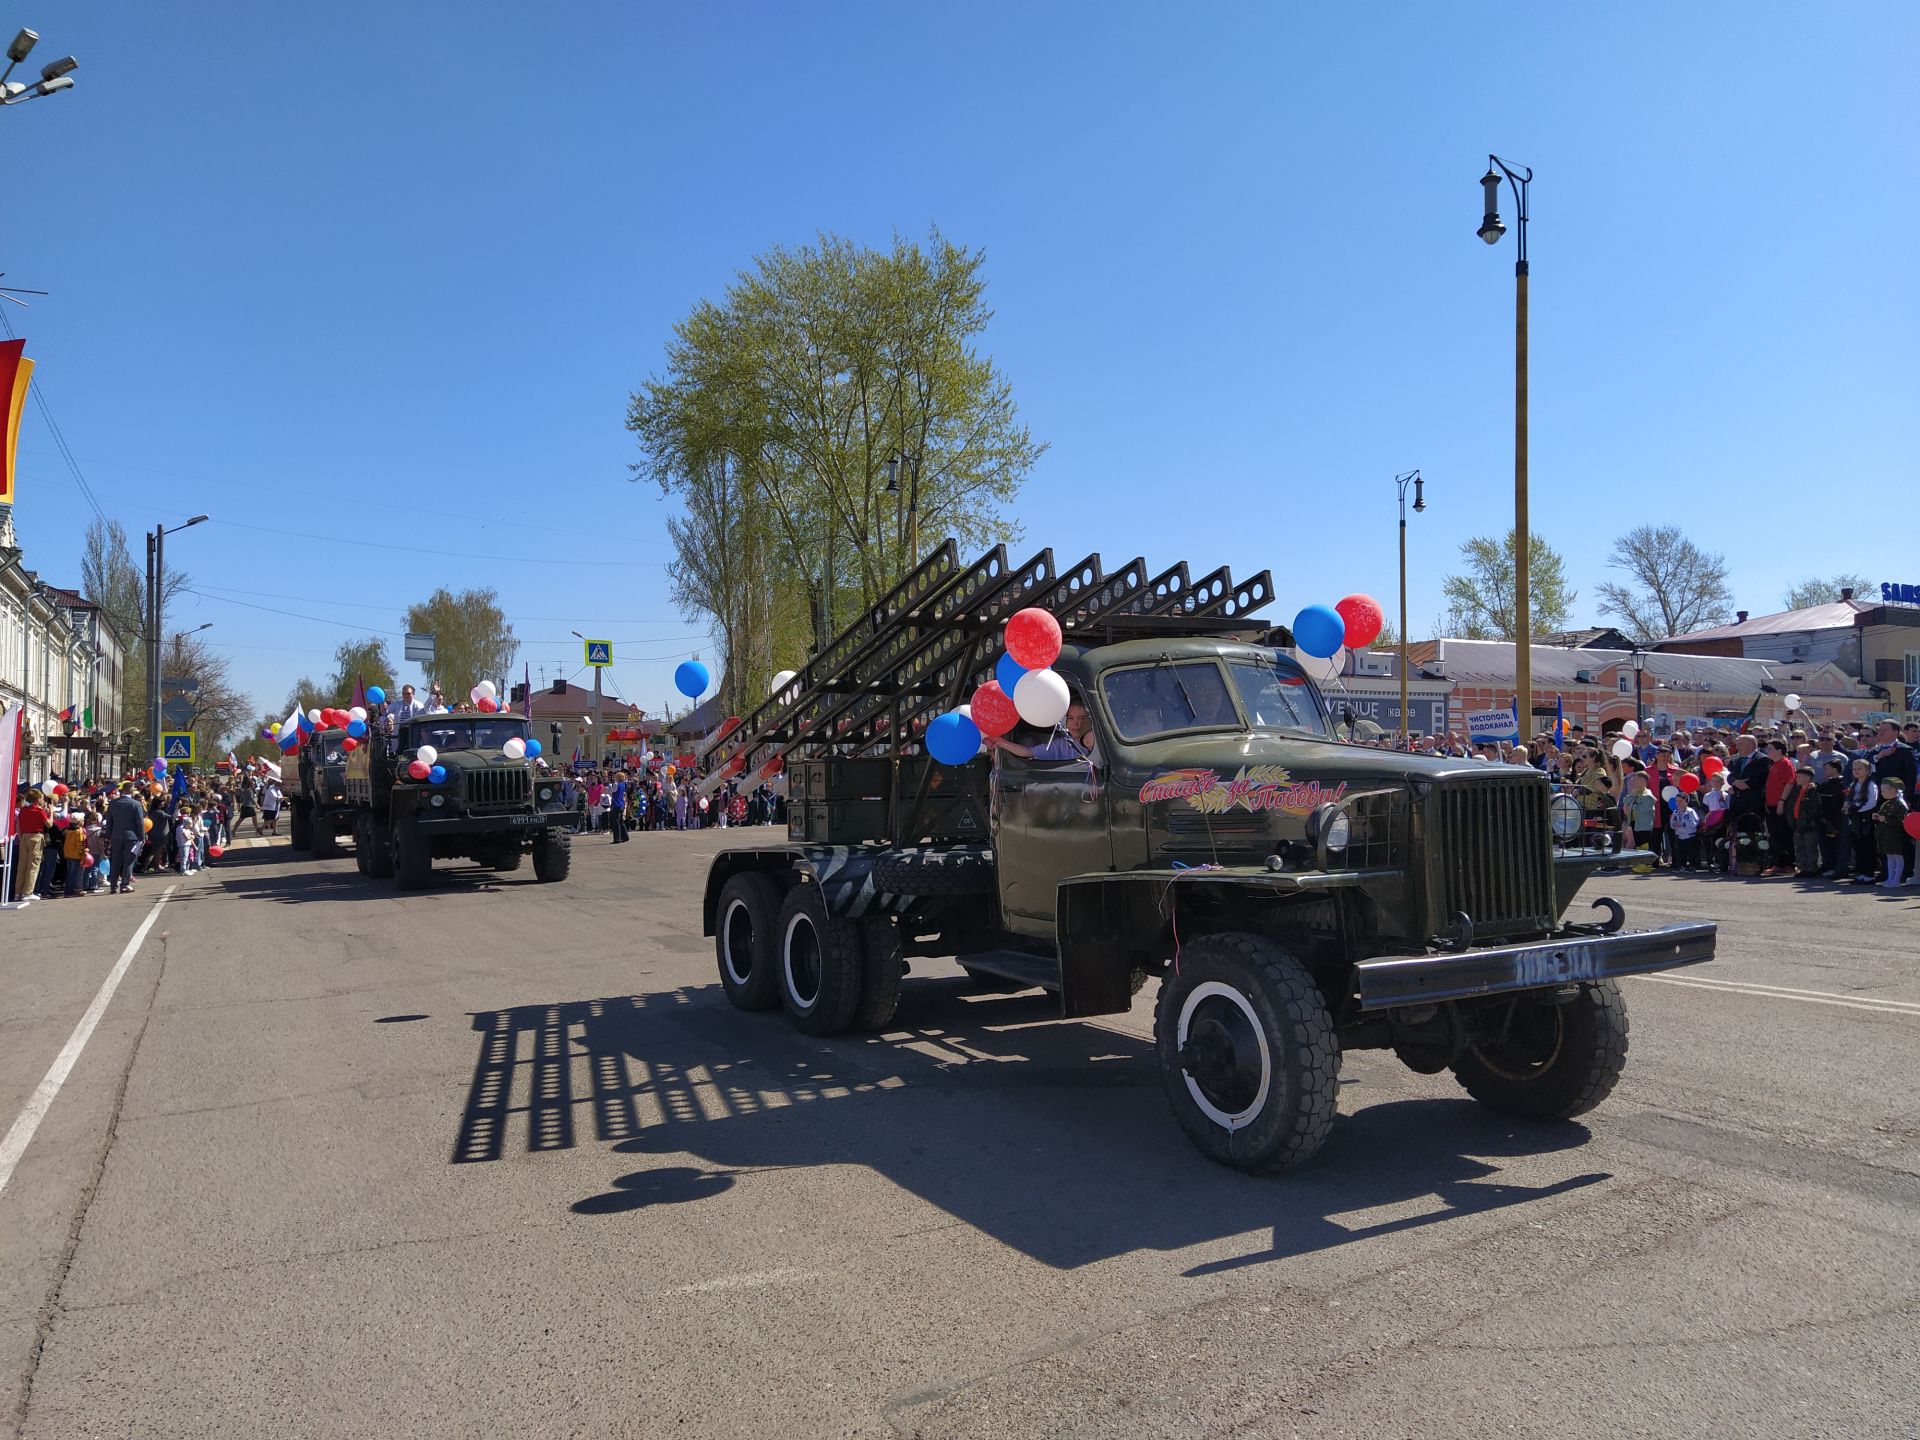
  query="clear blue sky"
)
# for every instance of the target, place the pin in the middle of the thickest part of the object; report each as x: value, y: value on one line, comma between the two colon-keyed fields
x: 388, y: 272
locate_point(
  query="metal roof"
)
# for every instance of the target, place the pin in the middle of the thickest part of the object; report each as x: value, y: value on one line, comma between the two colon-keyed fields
x: 1490, y: 662
x: 1837, y: 615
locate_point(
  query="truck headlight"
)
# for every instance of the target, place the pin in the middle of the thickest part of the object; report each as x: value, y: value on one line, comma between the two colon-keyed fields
x: 546, y: 794
x: 437, y: 801
x: 1331, y: 827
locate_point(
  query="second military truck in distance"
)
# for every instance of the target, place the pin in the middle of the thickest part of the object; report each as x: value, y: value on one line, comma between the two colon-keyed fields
x: 1293, y: 896
x: 316, y: 794
x: 488, y: 807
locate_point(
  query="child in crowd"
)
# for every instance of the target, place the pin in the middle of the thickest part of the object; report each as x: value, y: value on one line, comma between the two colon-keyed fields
x: 1890, y: 831
x: 1686, y: 835
x: 186, y: 859
x: 1637, y: 813
x: 1806, y: 809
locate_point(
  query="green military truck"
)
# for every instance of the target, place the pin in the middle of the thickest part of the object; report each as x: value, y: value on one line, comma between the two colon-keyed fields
x: 316, y: 794
x: 486, y: 807
x: 1294, y: 896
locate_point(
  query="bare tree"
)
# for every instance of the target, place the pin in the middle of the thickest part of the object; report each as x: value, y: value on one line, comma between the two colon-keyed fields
x: 220, y: 712
x: 1676, y: 587
x: 1809, y: 593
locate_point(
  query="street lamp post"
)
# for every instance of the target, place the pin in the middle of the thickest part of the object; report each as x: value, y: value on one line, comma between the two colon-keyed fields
x: 1639, y: 659
x: 1520, y: 178
x: 599, y: 734
x: 53, y: 78
x: 912, y: 463
x: 1412, y: 477
x: 156, y: 587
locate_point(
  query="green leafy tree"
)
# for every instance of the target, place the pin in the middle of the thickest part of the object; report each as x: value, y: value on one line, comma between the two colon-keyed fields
x: 306, y: 694
x: 1809, y: 593
x: 1674, y: 586
x: 471, y: 637
x: 357, y: 661
x: 1480, y: 600
x: 782, y: 406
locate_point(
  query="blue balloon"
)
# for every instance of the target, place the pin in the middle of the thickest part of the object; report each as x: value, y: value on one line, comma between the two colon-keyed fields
x: 953, y: 739
x: 356, y: 728
x: 1319, y: 631
x: 375, y: 695
x: 533, y: 748
x: 1008, y: 673
x: 106, y: 868
x: 438, y: 774
x: 690, y: 679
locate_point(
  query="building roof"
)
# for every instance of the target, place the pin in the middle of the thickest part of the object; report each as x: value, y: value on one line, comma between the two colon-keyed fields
x: 1490, y: 662
x: 1836, y: 615
x: 1599, y: 637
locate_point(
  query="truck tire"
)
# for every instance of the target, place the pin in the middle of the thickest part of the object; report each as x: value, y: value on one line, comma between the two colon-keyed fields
x: 506, y: 859
x: 553, y: 856
x: 362, y: 842
x: 821, y: 964
x: 412, y: 860
x: 300, y: 825
x: 881, y: 971
x: 379, y: 849
x: 1248, y: 1055
x: 1550, y: 1061
x: 934, y: 871
x: 325, y: 840
x: 746, y: 940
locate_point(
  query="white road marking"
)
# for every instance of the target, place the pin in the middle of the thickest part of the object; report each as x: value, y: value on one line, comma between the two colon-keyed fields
x: 744, y: 1282
x: 1780, y: 992
x: 15, y: 1145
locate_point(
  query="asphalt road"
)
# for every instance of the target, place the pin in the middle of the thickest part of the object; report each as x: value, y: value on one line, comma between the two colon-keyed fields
x: 498, y: 1158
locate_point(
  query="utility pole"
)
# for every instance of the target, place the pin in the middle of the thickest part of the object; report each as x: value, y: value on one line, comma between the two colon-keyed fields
x: 1520, y: 178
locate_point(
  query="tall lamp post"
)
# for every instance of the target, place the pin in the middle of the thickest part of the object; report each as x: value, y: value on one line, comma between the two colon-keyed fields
x: 53, y: 78
x: 599, y: 732
x: 912, y: 464
x: 1639, y: 659
x: 156, y: 605
x: 1520, y: 178
x: 1412, y: 477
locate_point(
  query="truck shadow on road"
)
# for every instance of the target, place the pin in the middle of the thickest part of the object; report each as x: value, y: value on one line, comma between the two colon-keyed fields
x: 1053, y: 1138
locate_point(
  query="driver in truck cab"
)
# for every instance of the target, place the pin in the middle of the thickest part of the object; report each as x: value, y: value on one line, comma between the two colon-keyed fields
x: 1073, y: 740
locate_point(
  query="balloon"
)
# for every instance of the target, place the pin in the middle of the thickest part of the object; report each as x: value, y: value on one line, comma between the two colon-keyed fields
x: 375, y: 695
x: 1319, y: 630
x: 1912, y: 823
x: 146, y: 825
x: 1033, y: 638
x: 993, y: 709
x: 533, y: 748
x: 1668, y: 792
x: 1793, y: 702
x: 438, y: 774
x: 515, y: 748
x: 1687, y: 784
x: 781, y: 681
x: 426, y: 755
x: 1712, y: 765
x: 1364, y: 620
x: 690, y: 679
x: 356, y: 728
x: 274, y: 730
x: 485, y: 705
x: 1630, y: 729
x: 349, y: 744
x: 419, y: 770
x: 1620, y: 749
x: 358, y: 712
x: 216, y: 851
x: 1007, y: 672
x: 59, y: 789
x: 159, y: 765
x: 1041, y: 698
x: 952, y: 739
x: 488, y: 689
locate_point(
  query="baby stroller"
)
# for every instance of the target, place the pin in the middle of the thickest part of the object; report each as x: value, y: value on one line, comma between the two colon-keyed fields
x: 1751, y: 846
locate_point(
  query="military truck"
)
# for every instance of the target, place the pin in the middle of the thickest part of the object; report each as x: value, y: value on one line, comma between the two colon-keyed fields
x: 487, y: 808
x: 316, y: 794
x: 1295, y: 897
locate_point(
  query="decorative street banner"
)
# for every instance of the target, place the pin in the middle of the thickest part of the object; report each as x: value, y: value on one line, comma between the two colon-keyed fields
x: 1484, y: 725
x: 16, y: 372
x: 9, y: 769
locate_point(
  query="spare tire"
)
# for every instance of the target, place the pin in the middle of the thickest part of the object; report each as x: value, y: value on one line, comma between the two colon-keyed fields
x: 934, y: 870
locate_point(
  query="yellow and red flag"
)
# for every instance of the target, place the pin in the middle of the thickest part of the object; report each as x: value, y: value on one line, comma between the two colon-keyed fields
x: 16, y: 371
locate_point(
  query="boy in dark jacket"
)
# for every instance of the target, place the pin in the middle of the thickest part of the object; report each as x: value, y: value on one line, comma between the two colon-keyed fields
x: 1809, y: 819
x: 1834, y: 851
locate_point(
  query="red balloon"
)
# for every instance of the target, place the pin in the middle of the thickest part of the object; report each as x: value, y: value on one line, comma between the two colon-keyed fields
x: 349, y: 743
x: 1912, y: 823
x: 1712, y: 765
x: 216, y: 851
x: 1686, y: 782
x: 1364, y: 620
x: 419, y: 770
x: 993, y: 709
x: 1033, y: 638
x: 487, y: 707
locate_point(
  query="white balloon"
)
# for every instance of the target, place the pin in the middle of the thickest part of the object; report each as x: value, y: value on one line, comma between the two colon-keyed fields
x: 358, y: 712
x: 486, y: 688
x: 1669, y: 791
x: 1793, y: 702
x: 967, y: 710
x: 314, y: 715
x: 426, y: 755
x: 1041, y: 697
x: 1622, y: 749
x: 1630, y: 729
x: 781, y: 681
x: 515, y: 748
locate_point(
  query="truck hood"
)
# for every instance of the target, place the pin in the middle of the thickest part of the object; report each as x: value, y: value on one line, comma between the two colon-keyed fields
x: 1306, y: 758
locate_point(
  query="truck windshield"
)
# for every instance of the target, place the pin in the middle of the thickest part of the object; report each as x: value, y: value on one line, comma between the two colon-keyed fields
x: 1166, y: 698
x: 1276, y: 697
x: 467, y: 732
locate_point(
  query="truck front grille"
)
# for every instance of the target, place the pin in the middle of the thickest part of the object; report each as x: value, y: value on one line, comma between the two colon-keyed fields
x: 495, y: 790
x: 1492, y: 848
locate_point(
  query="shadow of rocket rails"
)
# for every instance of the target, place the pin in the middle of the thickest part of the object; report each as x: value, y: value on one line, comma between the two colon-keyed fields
x: 1051, y: 1136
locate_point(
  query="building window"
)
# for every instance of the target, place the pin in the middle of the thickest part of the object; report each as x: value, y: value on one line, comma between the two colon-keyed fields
x: 1626, y: 682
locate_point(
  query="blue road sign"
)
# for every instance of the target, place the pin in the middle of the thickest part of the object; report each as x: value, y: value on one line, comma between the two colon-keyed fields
x: 176, y: 745
x: 599, y: 652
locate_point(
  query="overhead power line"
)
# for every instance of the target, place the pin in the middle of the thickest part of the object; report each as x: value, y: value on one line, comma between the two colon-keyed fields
x: 567, y: 560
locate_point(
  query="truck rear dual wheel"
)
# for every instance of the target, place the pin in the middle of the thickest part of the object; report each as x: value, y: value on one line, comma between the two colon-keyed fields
x: 378, y: 848
x: 412, y: 859
x: 1545, y: 1061
x: 746, y: 940
x: 822, y: 963
x: 325, y: 842
x: 552, y: 855
x: 1248, y: 1055
x: 301, y: 826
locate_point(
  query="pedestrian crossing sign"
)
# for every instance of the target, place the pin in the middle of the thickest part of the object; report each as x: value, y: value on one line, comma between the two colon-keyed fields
x: 599, y: 652
x: 176, y: 745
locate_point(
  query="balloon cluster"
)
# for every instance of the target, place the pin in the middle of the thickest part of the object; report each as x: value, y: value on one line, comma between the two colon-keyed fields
x: 426, y: 765
x: 1322, y: 634
x: 1024, y: 687
x: 485, y: 697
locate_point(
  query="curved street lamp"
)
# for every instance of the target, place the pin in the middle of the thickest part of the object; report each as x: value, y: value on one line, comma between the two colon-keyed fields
x: 53, y: 78
x: 1412, y: 477
x: 1519, y: 178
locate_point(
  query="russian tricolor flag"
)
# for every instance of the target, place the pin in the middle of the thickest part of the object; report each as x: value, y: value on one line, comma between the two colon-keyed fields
x: 295, y: 728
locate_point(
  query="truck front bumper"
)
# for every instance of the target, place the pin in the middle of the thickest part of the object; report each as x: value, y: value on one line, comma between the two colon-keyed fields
x: 516, y: 824
x: 1395, y: 980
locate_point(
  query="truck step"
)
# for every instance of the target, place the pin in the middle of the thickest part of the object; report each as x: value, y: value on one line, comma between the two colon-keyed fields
x: 1028, y: 971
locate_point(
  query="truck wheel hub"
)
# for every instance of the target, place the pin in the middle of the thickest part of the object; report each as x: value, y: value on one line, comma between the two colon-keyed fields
x: 1224, y: 1055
